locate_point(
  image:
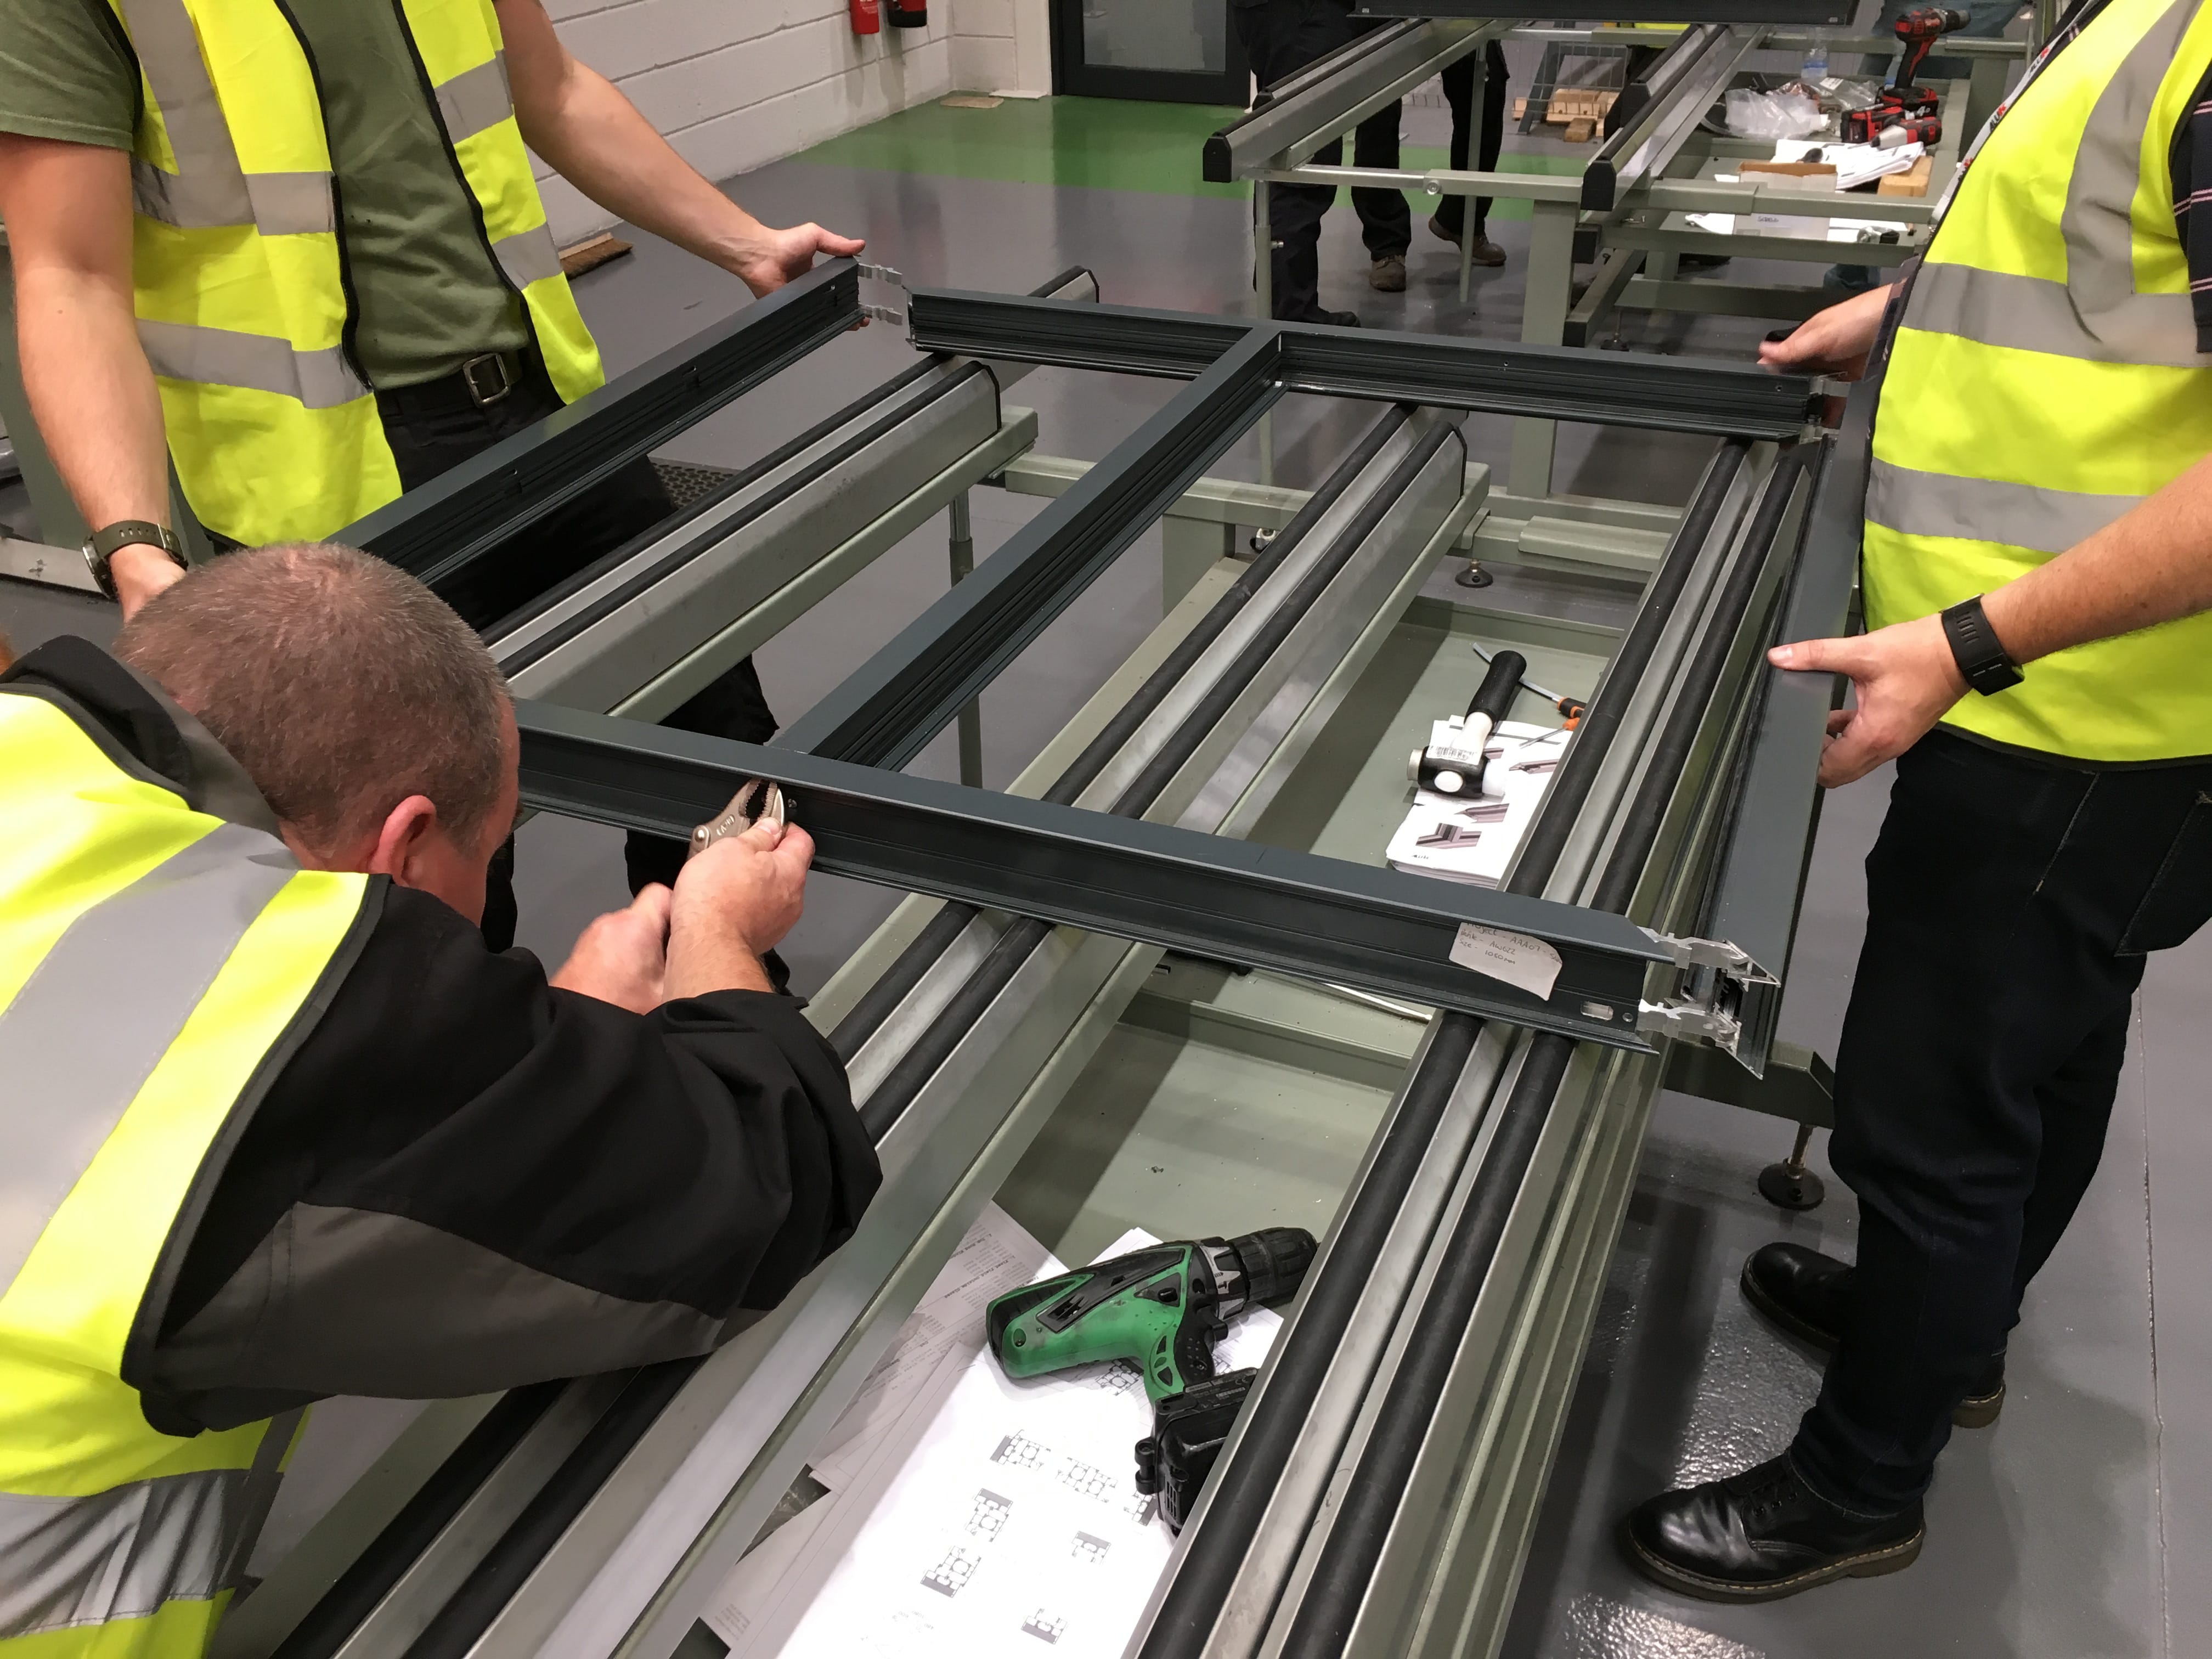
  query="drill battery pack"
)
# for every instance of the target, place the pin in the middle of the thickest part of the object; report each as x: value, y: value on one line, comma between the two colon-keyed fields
x: 1188, y: 1432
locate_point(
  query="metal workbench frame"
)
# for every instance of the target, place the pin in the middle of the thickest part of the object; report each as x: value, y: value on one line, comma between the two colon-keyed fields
x: 1620, y: 214
x: 1113, y: 873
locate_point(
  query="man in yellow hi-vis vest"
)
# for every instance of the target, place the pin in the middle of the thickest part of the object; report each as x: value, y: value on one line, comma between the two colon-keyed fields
x: 274, y: 1125
x: 298, y: 249
x: 2038, y: 584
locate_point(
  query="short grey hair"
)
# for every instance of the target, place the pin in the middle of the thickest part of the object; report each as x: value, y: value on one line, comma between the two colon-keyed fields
x: 341, y: 684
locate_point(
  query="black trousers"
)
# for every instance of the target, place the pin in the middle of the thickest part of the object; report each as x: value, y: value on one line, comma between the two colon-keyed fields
x: 434, y: 428
x: 1281, y: 37
x: 2009, y: 902
x: 1459, y: 94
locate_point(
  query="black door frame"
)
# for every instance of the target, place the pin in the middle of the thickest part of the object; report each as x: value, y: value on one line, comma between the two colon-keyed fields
x: 1069, y: 74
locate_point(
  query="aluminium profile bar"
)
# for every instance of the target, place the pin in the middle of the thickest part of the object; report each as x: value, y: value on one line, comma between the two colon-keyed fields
x: 1660, y: 81
x: 1760, y: 883
x: 1680, y: 394
x: 1303, y: 113
x: 886, y: 712
x: 435, y: 529
x: 1299, y: 913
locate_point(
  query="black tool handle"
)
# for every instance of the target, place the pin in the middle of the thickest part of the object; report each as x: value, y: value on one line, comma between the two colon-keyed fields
x: 1495, y: 696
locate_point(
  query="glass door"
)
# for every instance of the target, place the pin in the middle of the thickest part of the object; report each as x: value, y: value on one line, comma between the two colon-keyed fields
x: 1175, y: 50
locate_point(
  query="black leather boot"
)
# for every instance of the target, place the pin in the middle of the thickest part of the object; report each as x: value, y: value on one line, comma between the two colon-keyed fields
x: 1803, y: 1294
x: 1761, y: 1535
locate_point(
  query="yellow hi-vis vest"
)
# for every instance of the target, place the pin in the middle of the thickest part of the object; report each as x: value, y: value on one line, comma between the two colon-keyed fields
x: 2046, y: 377
x: 239, y: 280
x: 153, y: 962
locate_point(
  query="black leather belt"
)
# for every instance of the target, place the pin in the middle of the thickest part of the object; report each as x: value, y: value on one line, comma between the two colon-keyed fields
x: 482, y: 382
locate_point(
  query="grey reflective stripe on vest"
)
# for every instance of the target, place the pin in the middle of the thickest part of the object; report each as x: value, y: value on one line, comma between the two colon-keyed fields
x: 528, y: 256
x: 1915, y: 503
x: 78, y: 1561
x: 219, y: 356
x: 2096, y: 314
x: 79, y: 1040
x: 2035, y: 314
x: 210, y: 188
x: 277, y: 203
x: 475, y: 99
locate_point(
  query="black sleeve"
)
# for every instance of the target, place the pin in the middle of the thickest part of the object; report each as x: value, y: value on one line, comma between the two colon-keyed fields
x: 466, y: 1180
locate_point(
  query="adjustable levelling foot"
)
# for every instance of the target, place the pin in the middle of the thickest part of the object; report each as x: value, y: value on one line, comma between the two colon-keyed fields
x: 1474, y: 576
x: 1789, y: 1185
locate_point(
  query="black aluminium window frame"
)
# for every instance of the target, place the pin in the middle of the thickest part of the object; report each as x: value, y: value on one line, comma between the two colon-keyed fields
x: 1212, y: 896
x: 1796, y: 13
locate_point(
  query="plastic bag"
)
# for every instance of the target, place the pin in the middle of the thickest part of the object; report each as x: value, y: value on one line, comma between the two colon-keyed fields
x: 1785, y: 114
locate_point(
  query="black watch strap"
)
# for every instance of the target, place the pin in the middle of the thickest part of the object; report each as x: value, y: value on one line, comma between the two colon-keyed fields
x: 1975, y: 647
x: 106, y: 542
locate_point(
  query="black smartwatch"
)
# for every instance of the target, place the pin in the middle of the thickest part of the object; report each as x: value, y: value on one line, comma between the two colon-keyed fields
x: 105, y: 543
x: 1976, y: 649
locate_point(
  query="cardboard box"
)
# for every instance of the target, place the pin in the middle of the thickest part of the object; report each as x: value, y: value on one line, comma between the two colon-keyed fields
x: 1814, y: 178
x: 1570, y: 103
x: 1913, y: 181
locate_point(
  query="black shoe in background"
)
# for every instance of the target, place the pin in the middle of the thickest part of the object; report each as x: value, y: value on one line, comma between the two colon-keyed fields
x: 1763, y: 1534
x: 1803, y: 1294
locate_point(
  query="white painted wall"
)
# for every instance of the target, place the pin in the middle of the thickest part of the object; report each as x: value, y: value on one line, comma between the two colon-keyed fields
x: 1002, y: 46
x: 735, y: 84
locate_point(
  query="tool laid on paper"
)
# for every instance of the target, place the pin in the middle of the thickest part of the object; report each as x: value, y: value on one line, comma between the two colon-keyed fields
x: 1572, y: 709
x: 1162, y: 1307
x: 754, y: 801
x: 1452, y: 762
x: 1899, y: 103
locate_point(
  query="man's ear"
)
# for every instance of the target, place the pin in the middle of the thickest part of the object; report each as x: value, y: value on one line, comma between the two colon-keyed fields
x: 407, y: 832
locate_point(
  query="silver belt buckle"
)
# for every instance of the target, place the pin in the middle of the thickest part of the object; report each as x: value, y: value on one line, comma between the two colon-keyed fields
x: 488, y: 379
x: 754, y: 801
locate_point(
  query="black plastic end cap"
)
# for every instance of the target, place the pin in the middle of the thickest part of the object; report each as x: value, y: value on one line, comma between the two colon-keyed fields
x: 1213, y: 165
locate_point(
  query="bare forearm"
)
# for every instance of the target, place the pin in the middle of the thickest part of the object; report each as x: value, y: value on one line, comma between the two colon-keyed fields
x: 92, y: 394
x: 2150, y: 565
x: 595, y: 138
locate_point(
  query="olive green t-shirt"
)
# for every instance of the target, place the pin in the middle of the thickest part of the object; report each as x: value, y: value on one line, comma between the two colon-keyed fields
x: 426, y: 290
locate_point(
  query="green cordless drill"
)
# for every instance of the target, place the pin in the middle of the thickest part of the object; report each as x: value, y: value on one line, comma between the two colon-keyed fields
x: 1162, y: 1307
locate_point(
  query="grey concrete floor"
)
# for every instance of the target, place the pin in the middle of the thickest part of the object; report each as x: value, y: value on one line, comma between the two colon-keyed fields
x: 2076, y: 1527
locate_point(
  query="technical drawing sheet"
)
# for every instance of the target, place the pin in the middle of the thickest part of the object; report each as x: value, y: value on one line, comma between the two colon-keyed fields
x: 971, y: 1514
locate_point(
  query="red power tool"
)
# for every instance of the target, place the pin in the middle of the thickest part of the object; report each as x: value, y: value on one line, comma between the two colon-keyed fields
x: 1900, y: 103
x: 1919, y: 29
x: 1867, y: 126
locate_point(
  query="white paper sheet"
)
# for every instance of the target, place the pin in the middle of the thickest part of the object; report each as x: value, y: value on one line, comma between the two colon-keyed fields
x: 1471, y: 838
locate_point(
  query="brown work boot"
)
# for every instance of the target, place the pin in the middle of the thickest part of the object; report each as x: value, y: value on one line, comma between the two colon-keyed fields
x: 1486, y: 252
x: 1388, y: 273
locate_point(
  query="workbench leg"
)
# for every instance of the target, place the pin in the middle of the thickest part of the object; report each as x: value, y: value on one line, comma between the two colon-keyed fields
x: 1188, y: 548
x: 1474, y: 114
x: 1543, y: 322
x: 1263, y: 295
x: 961, y: 545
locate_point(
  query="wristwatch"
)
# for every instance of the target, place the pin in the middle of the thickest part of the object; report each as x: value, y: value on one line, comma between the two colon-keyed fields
x: 127, y: 532
x: 1975, y: 647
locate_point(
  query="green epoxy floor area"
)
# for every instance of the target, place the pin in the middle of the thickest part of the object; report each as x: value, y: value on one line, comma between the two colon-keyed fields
x: 1099, y: 143
x: 1105, y: 143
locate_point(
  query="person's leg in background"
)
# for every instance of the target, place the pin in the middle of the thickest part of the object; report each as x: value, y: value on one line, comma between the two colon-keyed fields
x: 1459, y: 94
x: 1386, y: 221
x: 1279, y: 38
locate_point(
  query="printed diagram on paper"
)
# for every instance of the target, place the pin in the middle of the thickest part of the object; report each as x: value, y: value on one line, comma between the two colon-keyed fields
x: 1471, y: 838
x: 968, y: 1514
